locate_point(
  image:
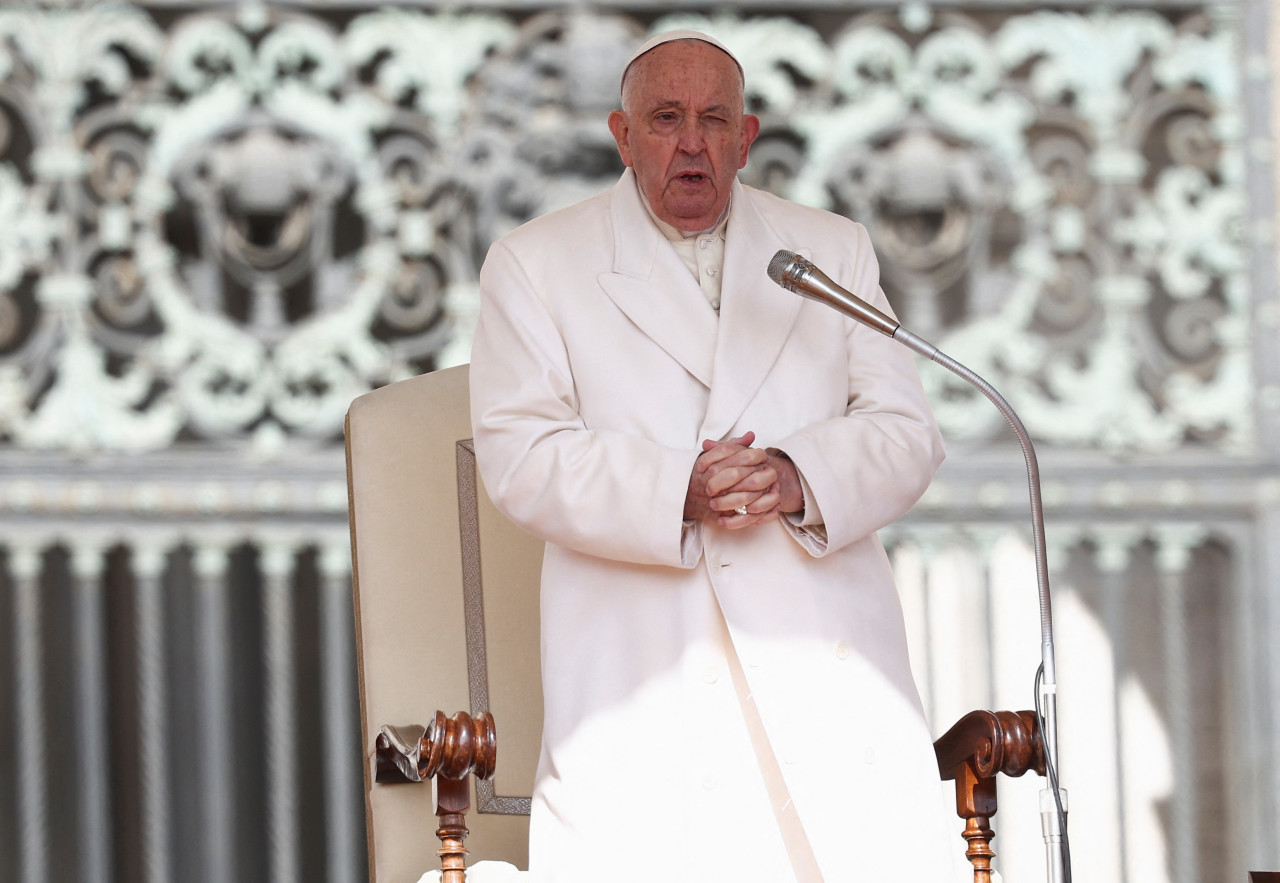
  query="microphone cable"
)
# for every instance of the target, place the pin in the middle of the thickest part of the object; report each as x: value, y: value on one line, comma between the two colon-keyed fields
x: 1052, y: 773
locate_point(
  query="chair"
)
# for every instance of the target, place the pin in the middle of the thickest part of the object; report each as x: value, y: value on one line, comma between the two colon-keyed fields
x: 442, y: 621
x: 446, y: 594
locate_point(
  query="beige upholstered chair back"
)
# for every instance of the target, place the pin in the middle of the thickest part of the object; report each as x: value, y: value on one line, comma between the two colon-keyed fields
x: 446, y: 595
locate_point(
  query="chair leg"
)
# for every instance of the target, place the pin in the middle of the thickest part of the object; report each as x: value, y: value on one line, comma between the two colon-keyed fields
x: 978, y: 834
x: 453, y: 799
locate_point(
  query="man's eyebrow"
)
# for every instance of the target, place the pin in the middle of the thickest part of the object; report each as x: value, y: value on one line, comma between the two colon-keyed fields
x: 674, y: 102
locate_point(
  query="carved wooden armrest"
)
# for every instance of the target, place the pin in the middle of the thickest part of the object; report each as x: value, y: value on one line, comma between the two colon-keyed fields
x: 980, y: 746
x: 446, y: 750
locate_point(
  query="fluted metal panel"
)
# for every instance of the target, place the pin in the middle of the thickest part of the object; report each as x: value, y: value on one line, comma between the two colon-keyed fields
x: 32, y: 758
x: 344, y: 833
x: 91, y: 690
x: 214, y: 687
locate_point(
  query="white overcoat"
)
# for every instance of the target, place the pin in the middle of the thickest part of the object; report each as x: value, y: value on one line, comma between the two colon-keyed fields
x: 597, y: 370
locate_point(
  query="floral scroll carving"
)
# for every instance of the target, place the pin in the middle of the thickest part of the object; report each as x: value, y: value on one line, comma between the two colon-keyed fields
x: 220, y: 228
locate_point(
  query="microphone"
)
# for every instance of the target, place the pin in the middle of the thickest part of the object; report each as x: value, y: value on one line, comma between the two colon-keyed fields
x: 800, y: 276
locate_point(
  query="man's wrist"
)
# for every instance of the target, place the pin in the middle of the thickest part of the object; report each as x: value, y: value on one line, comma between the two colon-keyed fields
x: 791, y: 491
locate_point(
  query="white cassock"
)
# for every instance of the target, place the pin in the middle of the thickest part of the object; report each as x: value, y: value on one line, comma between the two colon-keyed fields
x: 598, y: 368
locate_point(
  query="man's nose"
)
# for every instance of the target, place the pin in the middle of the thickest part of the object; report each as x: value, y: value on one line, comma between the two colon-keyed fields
x: 692, y: 137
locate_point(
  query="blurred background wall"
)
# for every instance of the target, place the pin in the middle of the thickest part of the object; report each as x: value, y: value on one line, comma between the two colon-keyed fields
x: 220, y: 222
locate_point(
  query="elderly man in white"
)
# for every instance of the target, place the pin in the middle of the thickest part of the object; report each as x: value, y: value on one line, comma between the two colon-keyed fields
x: 724, y: 665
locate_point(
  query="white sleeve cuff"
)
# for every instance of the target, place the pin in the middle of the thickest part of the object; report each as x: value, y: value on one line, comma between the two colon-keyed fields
x: 690, y: 542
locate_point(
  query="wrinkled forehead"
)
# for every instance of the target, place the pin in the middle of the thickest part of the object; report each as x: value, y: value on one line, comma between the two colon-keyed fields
x: 671, y: 37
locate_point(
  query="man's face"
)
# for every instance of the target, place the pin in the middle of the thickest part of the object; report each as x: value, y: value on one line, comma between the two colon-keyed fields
x: 683, y: 131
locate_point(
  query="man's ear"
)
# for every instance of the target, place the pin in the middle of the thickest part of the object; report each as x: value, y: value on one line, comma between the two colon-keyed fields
x: 621, y: 129
x: 750, y: 131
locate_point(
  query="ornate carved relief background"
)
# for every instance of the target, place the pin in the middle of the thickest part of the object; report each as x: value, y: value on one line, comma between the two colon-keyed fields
x: 219, y: 223
x: 222, y: 226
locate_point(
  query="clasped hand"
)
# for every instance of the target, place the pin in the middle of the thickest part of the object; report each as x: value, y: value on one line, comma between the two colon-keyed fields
x: 731, y: 474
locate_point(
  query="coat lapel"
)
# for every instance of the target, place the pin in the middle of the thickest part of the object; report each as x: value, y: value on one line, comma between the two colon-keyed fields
x: 654, y: 289
x: 756, y: 316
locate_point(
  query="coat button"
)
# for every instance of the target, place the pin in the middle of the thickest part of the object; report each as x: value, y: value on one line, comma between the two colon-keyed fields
x: 842, y: 650
x: 869, y: 756
x: 709, y: 783
x: 710, y: 675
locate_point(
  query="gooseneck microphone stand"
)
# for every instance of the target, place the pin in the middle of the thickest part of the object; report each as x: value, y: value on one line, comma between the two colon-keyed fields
x: 798, y: 275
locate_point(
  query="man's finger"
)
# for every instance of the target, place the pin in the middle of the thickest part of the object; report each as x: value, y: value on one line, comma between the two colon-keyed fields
x: 750, y: 477
x: 756, y: 501
x: 746, y: 440
x: 728, y: 481
x: 742, y: 441
x: 726, y: 457
x: 733, y: 521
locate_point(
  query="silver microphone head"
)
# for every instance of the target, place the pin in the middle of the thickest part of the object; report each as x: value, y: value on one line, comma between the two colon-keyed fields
x: 786, y: 267
x: 801, y: 277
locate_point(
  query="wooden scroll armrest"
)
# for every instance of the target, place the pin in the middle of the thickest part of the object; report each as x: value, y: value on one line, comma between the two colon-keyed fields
x: 980, y: 746
x: 447, y: 750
